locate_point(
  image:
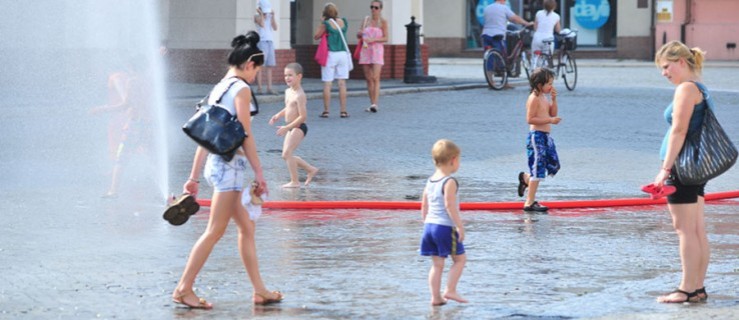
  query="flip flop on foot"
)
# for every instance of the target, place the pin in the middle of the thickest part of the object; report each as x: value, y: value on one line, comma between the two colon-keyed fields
x: 343, y: 114
x: 324, y: 114
x: 372, y: 108
x: 700, y: 295
x: 265, y: 299
x: 677, y: 296
x: 179, y: 298
x: 310, y: 176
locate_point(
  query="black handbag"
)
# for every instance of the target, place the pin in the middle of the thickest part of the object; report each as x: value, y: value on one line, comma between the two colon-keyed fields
x: 216, y: 129
x: 706, y: 153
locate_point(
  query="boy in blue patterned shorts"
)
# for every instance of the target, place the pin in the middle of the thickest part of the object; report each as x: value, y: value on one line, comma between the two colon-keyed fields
x: 541, y: 114
x: 443, y: 232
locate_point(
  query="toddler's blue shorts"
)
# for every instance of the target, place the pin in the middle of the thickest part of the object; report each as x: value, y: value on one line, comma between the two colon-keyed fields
x: 440, y: 240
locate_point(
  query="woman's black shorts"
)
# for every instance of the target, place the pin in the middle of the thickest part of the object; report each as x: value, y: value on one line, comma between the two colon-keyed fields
x: 684, y: 193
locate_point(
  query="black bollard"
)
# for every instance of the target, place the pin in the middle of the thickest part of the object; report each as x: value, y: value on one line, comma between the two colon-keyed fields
x: 413, y: 66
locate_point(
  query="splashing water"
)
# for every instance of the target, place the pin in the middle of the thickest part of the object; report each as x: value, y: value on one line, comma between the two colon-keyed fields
x: 60, y: 129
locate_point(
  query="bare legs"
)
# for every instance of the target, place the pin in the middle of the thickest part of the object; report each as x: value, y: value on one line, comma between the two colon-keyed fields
x: 327, y: 95
x: 248, y: 251
x: 437, y: 268
x: 689, y: 224
x: 225, y: 205
x: 292, y: 140
x: 533, y: 186
x: 455, y: 272
x: 372, y: 74
x: 269, y: 80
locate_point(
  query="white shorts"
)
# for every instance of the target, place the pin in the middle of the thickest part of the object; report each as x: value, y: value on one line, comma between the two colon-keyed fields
x: 337, y: 66
x: 538, y: 44
x: 268, y: 48
x: 225, y: 176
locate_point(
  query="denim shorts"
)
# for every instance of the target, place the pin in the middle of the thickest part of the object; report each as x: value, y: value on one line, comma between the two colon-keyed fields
x: 225, y: 176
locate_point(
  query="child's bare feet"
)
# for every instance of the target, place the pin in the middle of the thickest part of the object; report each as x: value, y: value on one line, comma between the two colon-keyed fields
x: 436, y: 303
x: 310, y: 176
x: 291, y: 185
x: 454, y: 296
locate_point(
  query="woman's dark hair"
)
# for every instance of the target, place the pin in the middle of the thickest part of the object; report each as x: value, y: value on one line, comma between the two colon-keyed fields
x: 245, y: 47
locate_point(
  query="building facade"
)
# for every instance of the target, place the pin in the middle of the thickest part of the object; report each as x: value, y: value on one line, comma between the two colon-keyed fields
x: 198, y: 32
x: 712, y: 25
x: 621, y: 29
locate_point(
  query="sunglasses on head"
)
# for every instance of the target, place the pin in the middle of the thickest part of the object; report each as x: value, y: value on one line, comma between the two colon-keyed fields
x: 375, y: 7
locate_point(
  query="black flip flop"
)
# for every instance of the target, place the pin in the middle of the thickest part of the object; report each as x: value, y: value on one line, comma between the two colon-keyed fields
x: 521, y: 184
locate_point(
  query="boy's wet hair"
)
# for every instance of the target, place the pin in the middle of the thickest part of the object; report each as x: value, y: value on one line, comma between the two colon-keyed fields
x: 443, y: 151
x: 540, y: 77
x: 294, y: 66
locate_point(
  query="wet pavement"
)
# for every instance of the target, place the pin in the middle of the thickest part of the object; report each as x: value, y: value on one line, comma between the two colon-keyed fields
x: 66, y: 253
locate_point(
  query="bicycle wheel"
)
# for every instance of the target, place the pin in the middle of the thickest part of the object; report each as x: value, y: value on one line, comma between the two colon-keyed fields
x: 526, y: 64
x: 570, y: 71
x: 515, y: 67
x: 495, y: 71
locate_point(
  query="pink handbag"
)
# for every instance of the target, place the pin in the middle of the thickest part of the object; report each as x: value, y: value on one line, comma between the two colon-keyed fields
x: 358, y: 49
x: 322, y: 52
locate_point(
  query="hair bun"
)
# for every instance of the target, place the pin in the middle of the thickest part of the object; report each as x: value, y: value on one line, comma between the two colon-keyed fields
x: 251, y: 38
x: 238, y: 41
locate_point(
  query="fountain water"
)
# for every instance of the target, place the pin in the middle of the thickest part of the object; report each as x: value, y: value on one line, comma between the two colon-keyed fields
x: 57, y: 57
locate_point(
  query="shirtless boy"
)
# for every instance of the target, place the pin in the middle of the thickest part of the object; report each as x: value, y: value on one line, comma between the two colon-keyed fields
x: 541, y: 114
x: 295, y: 129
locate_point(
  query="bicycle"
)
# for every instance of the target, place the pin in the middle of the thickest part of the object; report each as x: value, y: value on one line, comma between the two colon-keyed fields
x: 498, y: 66
x: 566, y: 64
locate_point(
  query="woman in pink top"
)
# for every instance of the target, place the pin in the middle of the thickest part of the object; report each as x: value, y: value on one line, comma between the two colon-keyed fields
x: 373, y: 34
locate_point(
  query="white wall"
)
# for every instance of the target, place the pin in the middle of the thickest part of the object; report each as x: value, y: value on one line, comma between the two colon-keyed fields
x: 633, y: 21
x: 197, y: 24
x: 444, y: 19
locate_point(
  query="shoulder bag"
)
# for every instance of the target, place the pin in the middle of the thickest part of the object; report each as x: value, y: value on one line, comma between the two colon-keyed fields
x: 706, y: 153
x: 322, y: 51
x: 215, y: 129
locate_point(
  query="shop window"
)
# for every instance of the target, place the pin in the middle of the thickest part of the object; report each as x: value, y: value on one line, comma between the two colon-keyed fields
x: 595, y: 20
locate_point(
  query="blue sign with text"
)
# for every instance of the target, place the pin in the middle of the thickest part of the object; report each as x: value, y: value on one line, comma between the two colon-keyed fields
x: 592, y: 14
